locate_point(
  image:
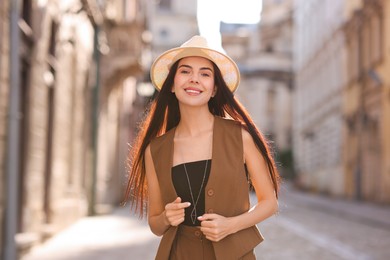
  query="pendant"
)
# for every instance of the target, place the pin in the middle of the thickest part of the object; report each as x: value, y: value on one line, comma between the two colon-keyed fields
x: 193, y: 215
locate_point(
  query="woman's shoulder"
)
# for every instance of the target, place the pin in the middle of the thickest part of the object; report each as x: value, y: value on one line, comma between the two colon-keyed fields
x: 228, y: 121
x: 246, y: 136
x: 164, y: 138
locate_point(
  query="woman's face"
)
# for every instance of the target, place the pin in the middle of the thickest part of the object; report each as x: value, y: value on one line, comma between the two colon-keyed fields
x: 194, y: 81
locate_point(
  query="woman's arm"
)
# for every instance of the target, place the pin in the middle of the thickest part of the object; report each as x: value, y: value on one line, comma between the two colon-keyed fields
x: 216, y: 227
x: 160, y: 217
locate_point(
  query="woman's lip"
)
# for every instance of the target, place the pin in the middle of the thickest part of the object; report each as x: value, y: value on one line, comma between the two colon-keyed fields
x: 193, y: 91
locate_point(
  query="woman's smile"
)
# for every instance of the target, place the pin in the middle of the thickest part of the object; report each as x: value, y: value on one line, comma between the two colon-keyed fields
x: 193, y: 91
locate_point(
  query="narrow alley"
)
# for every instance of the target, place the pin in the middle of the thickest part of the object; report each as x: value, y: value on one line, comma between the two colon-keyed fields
x: 78, y: 87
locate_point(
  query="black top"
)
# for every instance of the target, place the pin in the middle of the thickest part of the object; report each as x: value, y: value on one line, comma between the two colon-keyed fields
x: 195, y: 170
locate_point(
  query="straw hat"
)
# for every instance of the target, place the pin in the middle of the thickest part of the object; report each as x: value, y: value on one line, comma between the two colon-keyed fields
x: 196, y: 46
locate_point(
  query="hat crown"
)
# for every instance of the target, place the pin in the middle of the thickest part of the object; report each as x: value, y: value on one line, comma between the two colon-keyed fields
x: 196, y: 41
x: 197, y: 46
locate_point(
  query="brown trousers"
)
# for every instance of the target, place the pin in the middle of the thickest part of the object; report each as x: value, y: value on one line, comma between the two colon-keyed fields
x: 191, y: 244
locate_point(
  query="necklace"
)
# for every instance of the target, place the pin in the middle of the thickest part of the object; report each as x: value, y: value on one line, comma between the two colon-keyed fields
x: 194, y: 213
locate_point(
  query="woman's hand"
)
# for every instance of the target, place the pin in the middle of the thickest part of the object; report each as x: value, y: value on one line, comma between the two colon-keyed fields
x: 174, y: 212
x: 215, y: 227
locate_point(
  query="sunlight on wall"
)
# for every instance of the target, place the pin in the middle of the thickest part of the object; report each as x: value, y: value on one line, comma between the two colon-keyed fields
x: 241, y: 11
x: 41, y: 3
x: 211, y: 13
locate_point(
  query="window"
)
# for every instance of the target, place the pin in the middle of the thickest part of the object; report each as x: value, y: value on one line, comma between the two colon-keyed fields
x: 366, y: 45
x: 165, y: 4
x: 50, y: 123
x: 26, y: 11
x: 353, y: 56
x: 26, y: 46
x: 271, y: 101
x: 377, y: 37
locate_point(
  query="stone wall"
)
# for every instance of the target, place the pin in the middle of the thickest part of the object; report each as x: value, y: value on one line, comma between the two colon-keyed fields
x: 4, y: 92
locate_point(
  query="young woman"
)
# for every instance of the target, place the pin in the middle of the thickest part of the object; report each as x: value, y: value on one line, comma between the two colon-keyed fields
x: 195, y: 157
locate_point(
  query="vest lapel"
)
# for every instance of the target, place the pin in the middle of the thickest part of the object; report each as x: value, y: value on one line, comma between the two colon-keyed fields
x: 213, y: 178
x: 162, y: 153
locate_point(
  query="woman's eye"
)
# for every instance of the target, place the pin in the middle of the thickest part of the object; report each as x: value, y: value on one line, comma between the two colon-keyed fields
x: 184, y: 72
x: 205, y: 75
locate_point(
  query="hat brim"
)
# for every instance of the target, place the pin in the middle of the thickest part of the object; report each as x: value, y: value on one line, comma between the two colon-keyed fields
x: 161, y: 66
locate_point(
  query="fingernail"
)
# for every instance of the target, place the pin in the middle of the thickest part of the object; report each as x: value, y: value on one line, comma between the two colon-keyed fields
x: 188, y: 204
x: 200, y: 217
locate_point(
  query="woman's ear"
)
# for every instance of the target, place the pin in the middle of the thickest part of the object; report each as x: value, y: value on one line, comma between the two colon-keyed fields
x: 214, y: 91
x: 173, y: 89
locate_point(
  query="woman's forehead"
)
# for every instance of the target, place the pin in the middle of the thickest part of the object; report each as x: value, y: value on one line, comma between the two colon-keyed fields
x: 196, y: 60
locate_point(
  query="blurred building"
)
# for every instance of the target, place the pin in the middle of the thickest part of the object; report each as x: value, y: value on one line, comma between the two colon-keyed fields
x: 319, y: 62
x: 340, y: 122
x: 125, y: 44
x: 172, y: 23
x: 81, y: 63
x: 264, y: 54
x: 4, y: 92
x: 366, y: 101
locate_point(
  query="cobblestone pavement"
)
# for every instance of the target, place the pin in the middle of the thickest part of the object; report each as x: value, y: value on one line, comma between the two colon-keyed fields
x: 307, y: 227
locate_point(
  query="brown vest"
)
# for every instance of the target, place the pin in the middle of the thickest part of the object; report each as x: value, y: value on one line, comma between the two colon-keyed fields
x: 227, y: 191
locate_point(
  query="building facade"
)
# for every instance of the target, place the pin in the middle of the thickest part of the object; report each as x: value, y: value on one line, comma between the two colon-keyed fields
x: 365, y: 101
x: 340, y: 104
x: 319, y: 62
x: 122, y: 71
x: 80, y: 64
x: 385, y: 99
x: 4, y: 92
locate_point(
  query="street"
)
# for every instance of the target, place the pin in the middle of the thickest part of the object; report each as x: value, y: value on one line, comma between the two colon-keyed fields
x: 307, y: 227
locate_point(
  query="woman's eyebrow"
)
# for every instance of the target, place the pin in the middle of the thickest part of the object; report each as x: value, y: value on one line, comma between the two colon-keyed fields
x: 186, y: 66
x: 202, y: 68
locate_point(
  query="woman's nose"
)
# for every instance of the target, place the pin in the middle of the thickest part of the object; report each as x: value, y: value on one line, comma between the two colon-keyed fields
x: 194, y: 78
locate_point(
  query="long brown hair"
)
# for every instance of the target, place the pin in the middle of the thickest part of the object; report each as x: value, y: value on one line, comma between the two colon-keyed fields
x: 164, y: 114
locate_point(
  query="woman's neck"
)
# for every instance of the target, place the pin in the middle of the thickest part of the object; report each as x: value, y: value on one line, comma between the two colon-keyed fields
x: 194, y: 122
